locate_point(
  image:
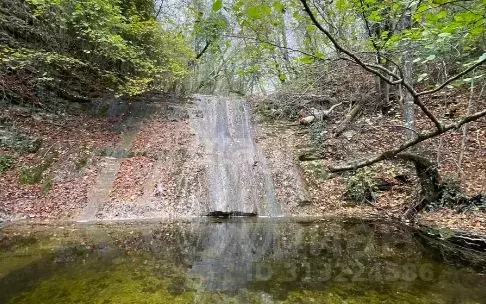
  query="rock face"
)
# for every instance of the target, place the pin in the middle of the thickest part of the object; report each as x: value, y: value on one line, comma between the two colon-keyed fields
x: 201, y: 162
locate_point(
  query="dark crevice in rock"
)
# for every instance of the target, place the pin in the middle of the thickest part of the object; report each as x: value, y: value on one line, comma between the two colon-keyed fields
x: 231, y: 214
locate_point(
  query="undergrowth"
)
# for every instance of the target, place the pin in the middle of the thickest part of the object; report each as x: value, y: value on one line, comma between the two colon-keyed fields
x: 35, y: 174
x: 6, y: 162
x: 361, y: 186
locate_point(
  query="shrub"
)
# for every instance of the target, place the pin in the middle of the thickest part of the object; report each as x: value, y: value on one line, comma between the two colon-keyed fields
x: 31, y: 175
x: 93, y: 46
x: 361, y: 186
x: 318, y: 170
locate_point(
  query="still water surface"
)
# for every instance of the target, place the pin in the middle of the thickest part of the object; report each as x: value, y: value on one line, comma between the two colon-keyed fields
x: 235, y: 261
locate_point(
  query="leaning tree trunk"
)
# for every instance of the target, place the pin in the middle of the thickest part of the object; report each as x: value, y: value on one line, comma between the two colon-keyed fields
x: 352, y: 114
x: 429, y: 178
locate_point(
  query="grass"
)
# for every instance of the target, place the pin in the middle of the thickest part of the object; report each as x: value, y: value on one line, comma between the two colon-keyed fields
x: 31, y: 175
x: 82, y: 162
x: 34, y: 174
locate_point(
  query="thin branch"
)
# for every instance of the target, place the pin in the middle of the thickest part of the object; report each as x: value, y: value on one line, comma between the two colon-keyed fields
x: 370, y: 33
x: 337, y: 45
x: 160, y: 9
x: 452, y: 78
x: 373, y: 68
x: 283, y: 47
x: 208, y: 43
x: 392, y: 153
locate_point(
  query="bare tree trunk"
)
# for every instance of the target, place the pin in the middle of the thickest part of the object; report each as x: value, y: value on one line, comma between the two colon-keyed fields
x: 470, y: 107
x: 352, y: 114
x: 408, y: 102
x: 159, y: 11
x: 283, y: 32
x: 385, y: 90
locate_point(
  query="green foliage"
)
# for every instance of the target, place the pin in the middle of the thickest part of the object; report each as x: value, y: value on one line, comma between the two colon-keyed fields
x: 361, y: 186
x: 47, y: 185
x: 442, y: 34
x: 217, y: 5
x: 6, y: 162
x: 31, y: 175
x: 101, y: 45
x: 35, y: 174
x: 83, y: 159
x: 319, y: 171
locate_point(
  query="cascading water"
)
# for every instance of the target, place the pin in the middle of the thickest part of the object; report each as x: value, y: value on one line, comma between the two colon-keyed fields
x: 240, y: 182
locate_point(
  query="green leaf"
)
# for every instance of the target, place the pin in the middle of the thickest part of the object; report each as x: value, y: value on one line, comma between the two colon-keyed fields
x: 442, y: 14
x: 429, y: 58
x: 306, y: 59
x: 341, y: 5
x: 320, y: 55
x: 445, y: 35
x: 279, y: 7
x: 217, y: 5
x: 254, y: 12
x: 310, y: 27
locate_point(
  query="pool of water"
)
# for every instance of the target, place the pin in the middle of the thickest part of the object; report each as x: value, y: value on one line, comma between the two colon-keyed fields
x: 249, y: 260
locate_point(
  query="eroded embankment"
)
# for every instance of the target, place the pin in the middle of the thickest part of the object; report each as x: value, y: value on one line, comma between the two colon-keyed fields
x: 186, y: 159
x: 386, y: 189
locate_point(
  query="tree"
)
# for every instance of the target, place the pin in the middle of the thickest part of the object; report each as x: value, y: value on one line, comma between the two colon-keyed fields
x: 405, y: 37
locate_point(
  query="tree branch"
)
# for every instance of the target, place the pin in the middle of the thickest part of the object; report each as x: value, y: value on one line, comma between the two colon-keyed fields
x: 208, y: 43
x: 423, y: 137
x: 372, y: 68
x: 283, y: 47
x: 452, y: 78
x: 160, y: 9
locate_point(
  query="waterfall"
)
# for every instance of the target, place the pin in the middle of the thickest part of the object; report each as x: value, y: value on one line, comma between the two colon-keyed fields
x: 240, y: 181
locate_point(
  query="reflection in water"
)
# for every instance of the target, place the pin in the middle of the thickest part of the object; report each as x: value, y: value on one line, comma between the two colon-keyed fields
x: 232, y: 252
x: 236, y: 261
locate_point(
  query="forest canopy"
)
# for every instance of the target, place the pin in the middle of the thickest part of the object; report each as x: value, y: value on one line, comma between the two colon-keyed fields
x: 277, y: 39
x: 87, y: 48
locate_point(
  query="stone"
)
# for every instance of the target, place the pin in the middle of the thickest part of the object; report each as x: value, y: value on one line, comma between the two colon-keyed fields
x: 349, y: 134
x: 307, y: 120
